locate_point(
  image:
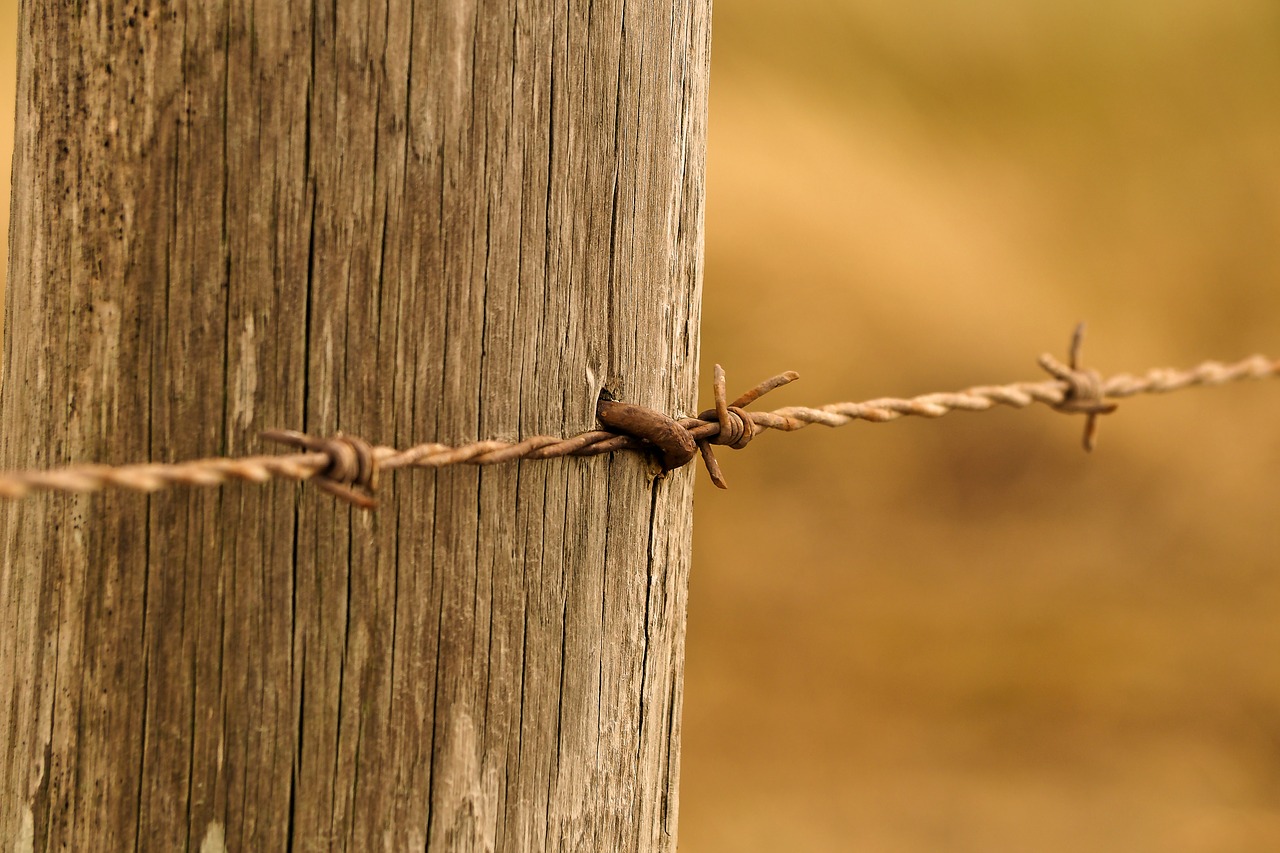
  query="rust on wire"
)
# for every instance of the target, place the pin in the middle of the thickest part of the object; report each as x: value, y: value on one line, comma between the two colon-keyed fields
x: 736, y: 425
x: 352, y: 472
x: 348, y: 467
x: 664, y: 433
x: 679, y: 441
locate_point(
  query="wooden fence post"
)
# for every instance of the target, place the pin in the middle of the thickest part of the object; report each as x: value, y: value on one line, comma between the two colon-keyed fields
x: 419, y: 221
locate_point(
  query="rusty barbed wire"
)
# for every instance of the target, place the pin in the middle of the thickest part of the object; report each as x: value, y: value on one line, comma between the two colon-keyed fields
x: 348, y: 467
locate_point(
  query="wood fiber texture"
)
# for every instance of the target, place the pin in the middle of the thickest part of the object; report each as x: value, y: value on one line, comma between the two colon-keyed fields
x: 420, y: 221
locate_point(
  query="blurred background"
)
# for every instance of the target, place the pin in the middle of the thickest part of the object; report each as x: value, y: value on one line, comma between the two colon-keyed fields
x: 966, y: 634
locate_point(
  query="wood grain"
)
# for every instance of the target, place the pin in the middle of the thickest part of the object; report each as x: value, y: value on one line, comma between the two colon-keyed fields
x: 431, y: 221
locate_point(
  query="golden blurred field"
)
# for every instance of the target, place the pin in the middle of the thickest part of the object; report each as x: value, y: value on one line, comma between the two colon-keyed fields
x: 966, y: 634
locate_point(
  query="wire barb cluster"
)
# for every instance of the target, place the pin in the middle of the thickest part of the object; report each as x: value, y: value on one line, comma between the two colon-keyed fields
x: 727, y: 423
x: 348, y: 467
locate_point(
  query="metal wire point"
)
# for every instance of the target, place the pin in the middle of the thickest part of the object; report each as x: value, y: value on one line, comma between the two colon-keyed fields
x: 736, y: 425
x: 1085, y: 392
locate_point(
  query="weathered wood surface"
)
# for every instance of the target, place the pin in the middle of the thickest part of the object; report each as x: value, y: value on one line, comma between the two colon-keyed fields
x: 432, y: 221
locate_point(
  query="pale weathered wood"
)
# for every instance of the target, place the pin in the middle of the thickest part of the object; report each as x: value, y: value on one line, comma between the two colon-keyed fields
x: 432, y: 221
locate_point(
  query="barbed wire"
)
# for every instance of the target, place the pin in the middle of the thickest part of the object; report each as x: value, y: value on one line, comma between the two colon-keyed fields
x: 348, y: 466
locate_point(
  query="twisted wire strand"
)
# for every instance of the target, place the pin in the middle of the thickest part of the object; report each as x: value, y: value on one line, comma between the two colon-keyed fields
x: 707, y: 427
x: 1018, y: 395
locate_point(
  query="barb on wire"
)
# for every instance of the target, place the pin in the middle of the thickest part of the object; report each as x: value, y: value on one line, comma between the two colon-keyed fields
x: 733, y: 425
x: 351, y: 472
x: 1084, y: 393
x: 348, y: 467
